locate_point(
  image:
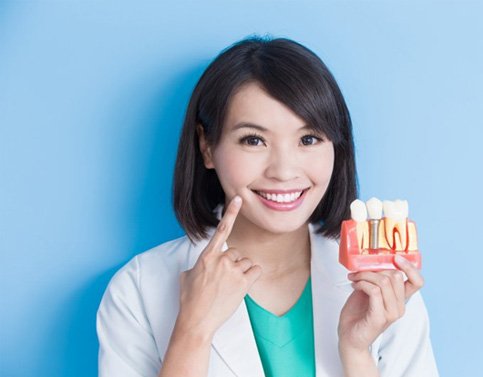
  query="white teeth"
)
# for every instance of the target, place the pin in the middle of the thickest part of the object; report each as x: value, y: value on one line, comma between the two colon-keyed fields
x: 359, y: 214
x: 374, y: 208
x: 358, y: 211
x: 395, y: 223
x: 281, y: 198
x: 397, y: 210
x: 403, y: 207
x: 389, y: 209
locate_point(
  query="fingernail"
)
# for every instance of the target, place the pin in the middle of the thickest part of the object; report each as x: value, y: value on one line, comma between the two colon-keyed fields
x: 237, y: 200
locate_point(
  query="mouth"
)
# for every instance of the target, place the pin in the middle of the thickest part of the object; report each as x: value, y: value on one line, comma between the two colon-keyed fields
x: 284, y: 198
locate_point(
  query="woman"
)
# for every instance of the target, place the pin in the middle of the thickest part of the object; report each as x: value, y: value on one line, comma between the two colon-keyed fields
x: 264, y: 176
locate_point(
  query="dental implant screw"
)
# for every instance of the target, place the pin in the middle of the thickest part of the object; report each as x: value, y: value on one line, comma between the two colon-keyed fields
x: 374, y: 233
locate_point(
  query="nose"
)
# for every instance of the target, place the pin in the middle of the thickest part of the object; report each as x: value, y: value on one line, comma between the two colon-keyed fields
x: 283, y: 165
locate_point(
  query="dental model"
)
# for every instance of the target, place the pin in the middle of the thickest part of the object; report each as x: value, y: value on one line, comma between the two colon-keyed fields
x: 369, y: 241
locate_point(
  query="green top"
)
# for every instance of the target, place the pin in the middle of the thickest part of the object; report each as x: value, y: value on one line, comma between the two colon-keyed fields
x: 285, y: 343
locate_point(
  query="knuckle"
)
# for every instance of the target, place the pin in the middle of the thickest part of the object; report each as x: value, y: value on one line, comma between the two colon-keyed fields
x: 221, y: 226
x: 385, y: 281
x: 225, y: 260
x: 204, y: 258
x: 375, y: 291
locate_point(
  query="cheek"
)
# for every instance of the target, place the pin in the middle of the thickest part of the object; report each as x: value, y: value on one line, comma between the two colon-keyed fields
x: 322, y: 171
x: 234, y: 169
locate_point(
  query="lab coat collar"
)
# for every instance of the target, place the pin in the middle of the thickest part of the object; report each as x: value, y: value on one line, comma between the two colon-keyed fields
x: 234, y: 341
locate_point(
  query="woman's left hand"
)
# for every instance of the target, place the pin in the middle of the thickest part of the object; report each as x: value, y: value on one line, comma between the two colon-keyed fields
x: 378, y: 300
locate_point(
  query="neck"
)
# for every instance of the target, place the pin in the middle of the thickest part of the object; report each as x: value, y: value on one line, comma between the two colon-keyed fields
x: 277, y: 254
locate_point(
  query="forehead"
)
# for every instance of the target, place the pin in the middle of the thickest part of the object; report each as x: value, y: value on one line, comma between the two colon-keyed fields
x: 252, y: 104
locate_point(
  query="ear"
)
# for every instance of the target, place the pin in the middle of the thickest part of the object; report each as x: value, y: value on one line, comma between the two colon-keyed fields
x: 204, y: 148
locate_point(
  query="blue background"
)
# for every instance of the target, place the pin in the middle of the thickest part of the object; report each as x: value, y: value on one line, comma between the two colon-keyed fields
x: 92, y: 96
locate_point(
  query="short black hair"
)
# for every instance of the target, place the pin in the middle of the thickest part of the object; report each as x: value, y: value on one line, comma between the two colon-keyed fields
x: 295, y: 76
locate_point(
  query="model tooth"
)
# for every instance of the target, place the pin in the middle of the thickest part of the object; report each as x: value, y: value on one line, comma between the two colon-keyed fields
x: 358, y: 211
x: 412, y: 237
x: 286, y: 198
x: 389, y: 222
x: 401, y: 222
x: 374, y: 208
x: 395, y: 224
x: 404, y: 206
x: 359, y: 214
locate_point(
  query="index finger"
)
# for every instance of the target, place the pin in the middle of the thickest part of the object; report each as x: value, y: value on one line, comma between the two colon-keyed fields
x: 225, y: 226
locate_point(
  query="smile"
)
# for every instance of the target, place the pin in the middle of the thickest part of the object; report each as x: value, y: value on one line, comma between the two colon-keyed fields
x: 282, y: 200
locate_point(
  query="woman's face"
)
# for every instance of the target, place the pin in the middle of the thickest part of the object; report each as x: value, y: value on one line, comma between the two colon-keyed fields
x: 265, y: 155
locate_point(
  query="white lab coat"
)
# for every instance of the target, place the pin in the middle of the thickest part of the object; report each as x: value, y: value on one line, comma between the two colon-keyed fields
x: 139, y: 308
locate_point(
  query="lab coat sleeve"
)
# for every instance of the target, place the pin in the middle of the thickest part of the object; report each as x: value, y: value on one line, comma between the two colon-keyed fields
x: 126, y: 344
x: 405, y: 349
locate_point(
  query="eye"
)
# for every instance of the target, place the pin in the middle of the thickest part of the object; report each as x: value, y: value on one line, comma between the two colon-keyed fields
x: 252, y: 140
x: 310, y: 140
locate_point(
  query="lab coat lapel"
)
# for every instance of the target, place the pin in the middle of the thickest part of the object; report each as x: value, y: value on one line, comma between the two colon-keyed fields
x: 234, y: 341
x: 330, y: 289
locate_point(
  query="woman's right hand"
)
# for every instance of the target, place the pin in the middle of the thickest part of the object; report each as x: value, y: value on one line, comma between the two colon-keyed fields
x: 214, y: 288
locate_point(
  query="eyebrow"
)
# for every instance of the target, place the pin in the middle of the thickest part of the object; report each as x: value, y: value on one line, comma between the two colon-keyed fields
x: 263, y: 129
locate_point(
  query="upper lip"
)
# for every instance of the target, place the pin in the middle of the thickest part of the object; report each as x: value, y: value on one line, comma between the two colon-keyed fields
x: 270, y: 191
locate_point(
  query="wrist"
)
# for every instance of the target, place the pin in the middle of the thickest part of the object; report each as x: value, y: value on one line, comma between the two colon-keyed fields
x: 189, y: 332
x: 354, y: 360
x: 346, y: 348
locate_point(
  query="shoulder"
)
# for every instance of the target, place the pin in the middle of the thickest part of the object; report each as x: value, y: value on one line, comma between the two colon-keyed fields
x: 156, y: 267
x: 168, y: 255
x: 405, y: 348
x: 139, y: 307
x: 167, y: 259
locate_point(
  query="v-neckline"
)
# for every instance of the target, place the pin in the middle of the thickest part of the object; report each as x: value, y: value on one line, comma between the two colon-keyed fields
x: 289, y: 313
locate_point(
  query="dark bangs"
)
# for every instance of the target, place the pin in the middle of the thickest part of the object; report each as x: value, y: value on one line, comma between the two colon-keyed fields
x: 287, y: 71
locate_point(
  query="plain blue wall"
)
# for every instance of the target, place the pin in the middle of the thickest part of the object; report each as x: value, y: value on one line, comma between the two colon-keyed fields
x: 92, y: 96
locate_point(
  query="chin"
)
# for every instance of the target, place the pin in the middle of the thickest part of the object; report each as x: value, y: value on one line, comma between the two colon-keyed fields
x: 281, y: 226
